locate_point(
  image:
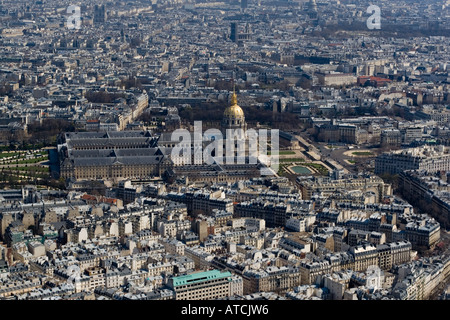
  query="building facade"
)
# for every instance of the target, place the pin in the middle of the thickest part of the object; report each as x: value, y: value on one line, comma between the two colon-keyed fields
x: 428, y: 158
x: 206, y: 285
x: 111, y: 156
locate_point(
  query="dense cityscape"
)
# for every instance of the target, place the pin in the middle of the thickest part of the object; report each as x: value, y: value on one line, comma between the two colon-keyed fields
x: 236, y: 150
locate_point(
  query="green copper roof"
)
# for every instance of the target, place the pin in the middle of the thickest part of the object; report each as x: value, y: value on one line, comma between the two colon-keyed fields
x: 200, y: 277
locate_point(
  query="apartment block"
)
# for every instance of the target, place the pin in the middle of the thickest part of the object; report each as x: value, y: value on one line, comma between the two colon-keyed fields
x: 206, y: 285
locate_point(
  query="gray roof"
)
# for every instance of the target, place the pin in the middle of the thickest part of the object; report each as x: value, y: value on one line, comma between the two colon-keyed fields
x: 101, y: 153
x: 105, y: 135
x: 104, y: 142
x: 109, y: 161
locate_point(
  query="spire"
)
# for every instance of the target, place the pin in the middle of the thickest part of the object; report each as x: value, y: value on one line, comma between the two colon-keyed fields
x: 234, y: 99
x: 234, y: 96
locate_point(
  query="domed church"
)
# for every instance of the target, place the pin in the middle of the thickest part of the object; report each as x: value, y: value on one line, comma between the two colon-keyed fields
x: 233, y: 117
x: 235, y: 159
x: 234, y: 128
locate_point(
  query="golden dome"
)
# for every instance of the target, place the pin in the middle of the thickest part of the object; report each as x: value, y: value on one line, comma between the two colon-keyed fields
x: 233, y: 111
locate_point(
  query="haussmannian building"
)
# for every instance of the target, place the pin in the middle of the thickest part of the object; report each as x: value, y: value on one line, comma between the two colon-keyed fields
x: 344, y: 133
x: 275, y: 214
x: 271, y: 279
x: 428, y: 158
x: 202, y: 202
x: 390, y: 138
x: 430, y: 194
x: 357, y: 258
x: 328, y: 186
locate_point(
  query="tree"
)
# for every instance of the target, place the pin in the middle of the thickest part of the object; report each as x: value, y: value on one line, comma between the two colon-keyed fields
x: 392, y: 179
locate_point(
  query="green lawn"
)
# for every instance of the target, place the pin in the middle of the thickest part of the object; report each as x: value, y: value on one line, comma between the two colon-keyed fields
x: 318, y: 167
x: 28, y: 172
x: 291, y: 160
x: 8, y: 154
x: 36, y: 160
x: 22, y: 160
x: 31, y: 169
x: 283, y: 152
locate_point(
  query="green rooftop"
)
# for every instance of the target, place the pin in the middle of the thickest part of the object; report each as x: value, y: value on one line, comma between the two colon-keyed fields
x: 199, y: 277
